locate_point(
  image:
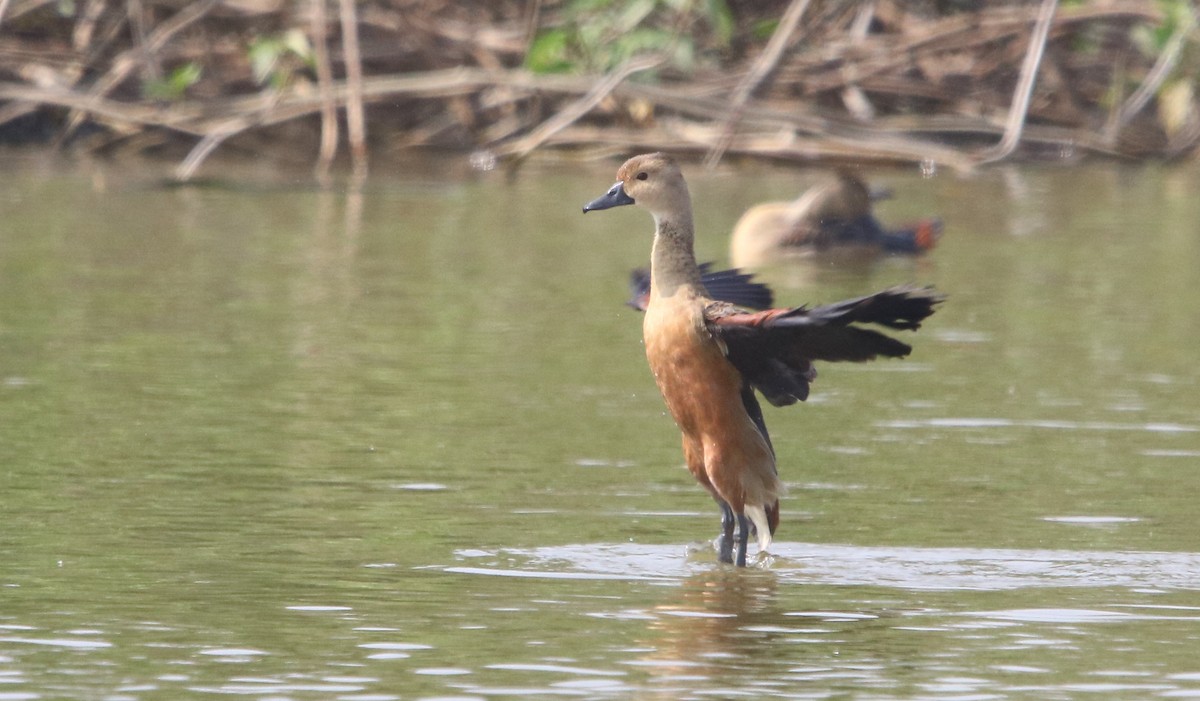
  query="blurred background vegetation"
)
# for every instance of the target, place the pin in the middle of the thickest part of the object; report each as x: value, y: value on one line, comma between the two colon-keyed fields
x: 935, y: 81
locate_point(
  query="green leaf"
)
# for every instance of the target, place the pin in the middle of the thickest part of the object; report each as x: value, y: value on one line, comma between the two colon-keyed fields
x: 721, y: 18
x: 684, y: 56
x: 548, y: 53
x: 264, y: 56
x: 297, y: 43
x: 173, y: 85
x: 587, y: 7
x: 634, y: 13
x: 600, y: 34
x: 763, y: 29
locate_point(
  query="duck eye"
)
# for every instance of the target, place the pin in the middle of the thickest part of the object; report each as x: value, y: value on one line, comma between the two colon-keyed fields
x: 643, y: 175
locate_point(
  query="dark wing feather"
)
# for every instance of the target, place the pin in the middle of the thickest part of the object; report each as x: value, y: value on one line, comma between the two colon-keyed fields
x: 750, y: 402
x: 736, y: 287
x: 775, y: 349
x: 902, y: 307
x: 725, y: 285
x: 639, y: 289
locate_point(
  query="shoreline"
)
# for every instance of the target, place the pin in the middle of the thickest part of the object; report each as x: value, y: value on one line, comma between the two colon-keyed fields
x: 892, y: 86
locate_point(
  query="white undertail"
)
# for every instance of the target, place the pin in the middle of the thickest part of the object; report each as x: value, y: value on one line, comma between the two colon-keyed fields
x: 759, y: 516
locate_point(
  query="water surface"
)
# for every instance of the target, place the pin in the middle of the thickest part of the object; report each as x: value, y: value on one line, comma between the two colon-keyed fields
x: 264, y: 441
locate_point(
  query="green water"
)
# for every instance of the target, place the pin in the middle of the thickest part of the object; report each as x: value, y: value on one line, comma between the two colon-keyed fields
x: 263, y: 441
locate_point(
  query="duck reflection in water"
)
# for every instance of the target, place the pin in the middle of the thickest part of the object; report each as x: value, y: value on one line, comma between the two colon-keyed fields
x: 708, y: 624
x: 741, y: 632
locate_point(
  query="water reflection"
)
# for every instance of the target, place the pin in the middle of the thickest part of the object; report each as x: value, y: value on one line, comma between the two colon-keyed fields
x: 699, y: 630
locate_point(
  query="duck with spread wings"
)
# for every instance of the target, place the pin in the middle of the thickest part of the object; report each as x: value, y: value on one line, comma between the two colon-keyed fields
x: 709, y: 357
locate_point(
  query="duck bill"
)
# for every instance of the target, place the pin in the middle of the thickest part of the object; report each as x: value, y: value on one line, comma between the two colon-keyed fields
x: 615, y: 197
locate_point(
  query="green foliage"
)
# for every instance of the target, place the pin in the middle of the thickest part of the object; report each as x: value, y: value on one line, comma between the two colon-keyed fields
x: 597, y: 35
x: 549, y: 52
x: 274, y: 59
x: 721, y: 17
x: 1175, y: 97
x: 1152, y: 40
x: 763, y: 29
x: 173, y: 85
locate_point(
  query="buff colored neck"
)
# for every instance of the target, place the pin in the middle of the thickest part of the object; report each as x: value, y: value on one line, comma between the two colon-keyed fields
x: 673, y: 260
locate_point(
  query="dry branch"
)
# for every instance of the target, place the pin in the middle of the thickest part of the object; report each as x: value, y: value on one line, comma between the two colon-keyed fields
x: 1029, y: 70
x: 138, y: 55
x: 329, y: 123
x: 864, y: 81
x: 356, y: 122
x: 1159, y: 73
x: 765, y: 64
x: 887, y: 53
x: 520, y: 148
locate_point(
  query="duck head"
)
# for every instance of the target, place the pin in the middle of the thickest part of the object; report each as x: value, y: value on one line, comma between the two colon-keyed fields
x: 652, y: 181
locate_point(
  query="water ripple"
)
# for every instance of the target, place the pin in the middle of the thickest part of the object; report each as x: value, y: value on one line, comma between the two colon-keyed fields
x: 59, y: 642
x: 905, y: 568
x: 1058, y: 424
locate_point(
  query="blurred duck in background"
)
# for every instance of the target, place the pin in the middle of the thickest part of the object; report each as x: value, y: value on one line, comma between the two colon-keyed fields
x: 832, y: 218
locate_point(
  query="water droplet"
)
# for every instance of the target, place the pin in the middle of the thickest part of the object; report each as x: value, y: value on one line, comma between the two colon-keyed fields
x: 483, y: 160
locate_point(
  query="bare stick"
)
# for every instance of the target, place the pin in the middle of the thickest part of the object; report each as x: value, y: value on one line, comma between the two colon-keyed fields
x: 961, y: 32
x: 532, y: 13
x: 356, y: 125
x: 793, y: 131
x: 853, y: 97
x: 85, y: 26
x: 329, y: 121
x: 572, y: 112
x: 1158, y: 74
x: 761, y: 68
x: 124, y: 64
x: 137, y: 20
x: 1024, y: 91
x: 185, y: 170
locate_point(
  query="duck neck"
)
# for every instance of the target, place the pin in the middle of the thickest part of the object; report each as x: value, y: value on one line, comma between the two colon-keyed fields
x: 673, y: 260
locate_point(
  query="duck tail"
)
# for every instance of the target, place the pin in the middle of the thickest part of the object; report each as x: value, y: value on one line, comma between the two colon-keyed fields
x: 758, y: 516
x: 926, y: 233
x: 913, y: 238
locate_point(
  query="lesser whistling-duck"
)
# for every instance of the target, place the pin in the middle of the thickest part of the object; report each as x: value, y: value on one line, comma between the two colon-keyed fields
x: 708, y: 357
x: 831, y: 218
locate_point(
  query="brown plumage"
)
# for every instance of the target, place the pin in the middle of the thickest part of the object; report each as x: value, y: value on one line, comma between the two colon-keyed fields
x: 708, y: 357
x: 833, y: 218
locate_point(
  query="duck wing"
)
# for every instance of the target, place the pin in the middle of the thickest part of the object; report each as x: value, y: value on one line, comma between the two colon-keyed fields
x: 775, y: 349
x: 731, y: 285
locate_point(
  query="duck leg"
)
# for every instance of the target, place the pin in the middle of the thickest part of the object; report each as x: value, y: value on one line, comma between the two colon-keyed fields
x: 725, y: 551
x: 743, y: 537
